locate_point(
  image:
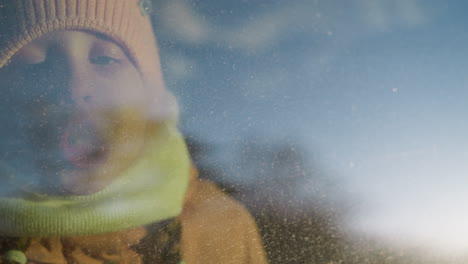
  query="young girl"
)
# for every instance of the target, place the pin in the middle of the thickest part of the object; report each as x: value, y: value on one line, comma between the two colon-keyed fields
x: 93, y: 168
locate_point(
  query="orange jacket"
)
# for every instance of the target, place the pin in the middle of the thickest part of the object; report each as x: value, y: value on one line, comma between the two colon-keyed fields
x: 217, y: 229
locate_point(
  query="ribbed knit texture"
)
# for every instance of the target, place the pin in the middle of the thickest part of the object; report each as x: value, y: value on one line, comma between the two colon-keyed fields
x: 22, y: 21
x: 151, y: 191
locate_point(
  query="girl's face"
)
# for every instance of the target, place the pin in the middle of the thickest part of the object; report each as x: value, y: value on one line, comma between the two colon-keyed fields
x: 73, y: 114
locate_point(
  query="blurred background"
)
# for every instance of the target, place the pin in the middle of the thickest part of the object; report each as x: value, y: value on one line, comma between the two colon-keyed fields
x: 339, y: 124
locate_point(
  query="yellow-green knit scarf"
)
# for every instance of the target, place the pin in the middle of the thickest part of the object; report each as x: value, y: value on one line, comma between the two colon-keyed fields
x: 150, y: 191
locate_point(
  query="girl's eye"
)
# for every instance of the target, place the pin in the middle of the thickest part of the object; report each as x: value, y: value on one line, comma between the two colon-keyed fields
x: 103, y: 60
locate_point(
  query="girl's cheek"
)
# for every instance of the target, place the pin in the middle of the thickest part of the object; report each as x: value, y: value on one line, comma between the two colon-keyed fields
x: 107, y: 71
x: 109, y: 99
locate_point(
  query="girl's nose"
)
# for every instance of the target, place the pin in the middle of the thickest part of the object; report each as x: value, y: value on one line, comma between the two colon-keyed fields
x: 81, y: 87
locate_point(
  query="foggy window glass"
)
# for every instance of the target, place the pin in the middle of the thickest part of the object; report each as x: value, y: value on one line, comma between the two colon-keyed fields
x: 247, y: 132
x: 339, y: 124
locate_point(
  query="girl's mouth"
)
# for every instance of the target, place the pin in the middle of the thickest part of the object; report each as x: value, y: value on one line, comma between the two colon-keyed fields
x: 82, y: 145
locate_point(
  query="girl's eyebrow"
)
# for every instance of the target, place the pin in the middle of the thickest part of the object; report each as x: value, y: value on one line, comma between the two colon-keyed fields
x: 100, y: 35
x: 30, y: 54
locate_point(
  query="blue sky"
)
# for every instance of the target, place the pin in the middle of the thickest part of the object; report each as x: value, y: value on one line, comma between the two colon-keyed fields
x: 378, y: 88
